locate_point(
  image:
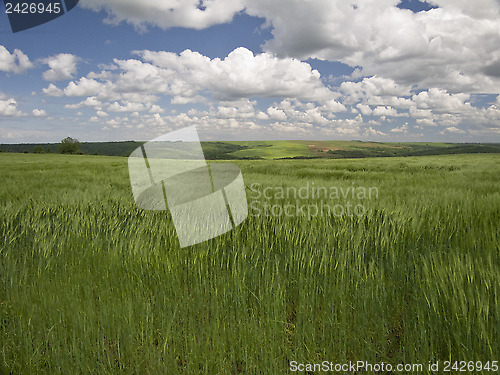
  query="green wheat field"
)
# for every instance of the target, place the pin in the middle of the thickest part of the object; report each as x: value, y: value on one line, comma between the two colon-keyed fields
x: 91, y: 284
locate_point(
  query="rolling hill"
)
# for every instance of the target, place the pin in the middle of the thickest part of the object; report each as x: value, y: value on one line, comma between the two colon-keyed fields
x: 269, y: 150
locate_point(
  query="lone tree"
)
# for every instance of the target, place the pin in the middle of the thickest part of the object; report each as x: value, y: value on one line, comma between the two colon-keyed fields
x: 38, y: 150
x: 69, y: 146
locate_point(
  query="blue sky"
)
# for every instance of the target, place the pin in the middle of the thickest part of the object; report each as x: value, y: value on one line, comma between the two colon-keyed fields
x: 381, y: 70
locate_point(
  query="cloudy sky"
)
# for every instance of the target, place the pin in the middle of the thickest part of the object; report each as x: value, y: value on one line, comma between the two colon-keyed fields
x: 385, y: 70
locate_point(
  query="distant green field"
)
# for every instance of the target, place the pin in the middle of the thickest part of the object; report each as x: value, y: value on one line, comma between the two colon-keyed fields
x: 90, y: 284
x: 272, y: 150
x: 350, y: 149
x: 269, y: 150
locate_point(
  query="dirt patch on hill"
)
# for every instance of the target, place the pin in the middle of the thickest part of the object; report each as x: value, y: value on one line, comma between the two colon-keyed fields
x: 323, y: 147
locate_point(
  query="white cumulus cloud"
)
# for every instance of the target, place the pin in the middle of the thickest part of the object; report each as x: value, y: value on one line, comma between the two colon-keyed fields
x: 240, y: 75
x: 84, y: 87
x: 196, y: 14
x: 8, y: 107
x: 62, y: 67
x: 17, y: 62
x: 454, y: 47
x: 39, y: 113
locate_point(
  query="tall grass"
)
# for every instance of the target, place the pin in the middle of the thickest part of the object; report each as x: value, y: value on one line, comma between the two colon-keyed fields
x: 92, y: 284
